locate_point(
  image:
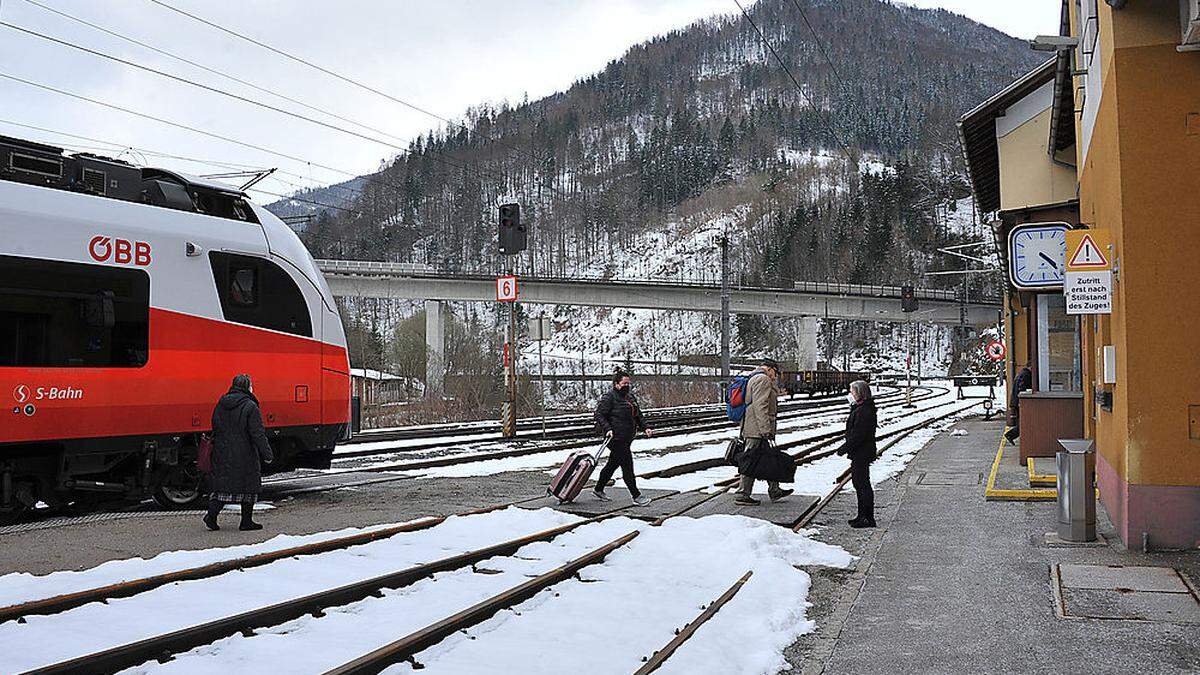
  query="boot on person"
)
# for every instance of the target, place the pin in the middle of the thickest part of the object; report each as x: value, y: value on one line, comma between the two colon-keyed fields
x: 210, y: 518
x: 248, y: 523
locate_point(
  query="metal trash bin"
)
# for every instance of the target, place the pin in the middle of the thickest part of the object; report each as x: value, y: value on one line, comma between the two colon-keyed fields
x: 1076, y: 489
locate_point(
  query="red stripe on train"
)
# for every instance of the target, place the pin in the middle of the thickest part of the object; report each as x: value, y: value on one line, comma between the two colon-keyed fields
x: 299, y: 382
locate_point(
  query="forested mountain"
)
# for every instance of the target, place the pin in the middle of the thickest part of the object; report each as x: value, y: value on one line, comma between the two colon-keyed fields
x: 839, y: 179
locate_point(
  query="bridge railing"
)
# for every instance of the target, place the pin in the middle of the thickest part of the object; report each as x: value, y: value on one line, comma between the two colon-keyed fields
x: 870, y: 290
x: 372, y: 267
x: 828, y: 288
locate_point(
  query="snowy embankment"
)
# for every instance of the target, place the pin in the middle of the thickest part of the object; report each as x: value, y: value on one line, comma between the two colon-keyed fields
x: 617, y: 611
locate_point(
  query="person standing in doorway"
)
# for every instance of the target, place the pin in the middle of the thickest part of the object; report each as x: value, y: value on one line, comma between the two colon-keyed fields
x: 240, y: 448
x: 1022, y: 382
x: 861, y: 449
x: 759, y: 459
x: 620, y: 418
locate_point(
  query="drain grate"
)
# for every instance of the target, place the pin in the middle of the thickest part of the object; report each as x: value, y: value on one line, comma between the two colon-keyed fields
x: 51, y: 523
x: 1125, y: 593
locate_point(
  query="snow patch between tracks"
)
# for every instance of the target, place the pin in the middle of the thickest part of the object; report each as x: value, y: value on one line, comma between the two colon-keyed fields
x: 629, y: 606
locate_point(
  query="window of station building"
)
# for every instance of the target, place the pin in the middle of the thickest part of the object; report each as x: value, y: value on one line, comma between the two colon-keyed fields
x: 72, y: 315
x: 1059, y: 367
x: 257, y: 292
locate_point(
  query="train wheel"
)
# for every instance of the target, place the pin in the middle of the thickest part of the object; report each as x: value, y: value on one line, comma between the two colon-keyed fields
x: 179, y: 487
x: 22, y: 504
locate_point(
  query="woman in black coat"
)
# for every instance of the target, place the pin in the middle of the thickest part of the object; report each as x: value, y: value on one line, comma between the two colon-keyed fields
x: 239, y: 448
x: 860, y: 448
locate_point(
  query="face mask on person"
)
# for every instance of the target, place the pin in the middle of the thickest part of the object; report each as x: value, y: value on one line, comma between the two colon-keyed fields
x: 625, y: 388
x: 851, y: 399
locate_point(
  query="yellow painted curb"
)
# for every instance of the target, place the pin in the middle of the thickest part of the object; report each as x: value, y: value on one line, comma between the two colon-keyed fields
x: 1042, y: 479
x: 992, y: 494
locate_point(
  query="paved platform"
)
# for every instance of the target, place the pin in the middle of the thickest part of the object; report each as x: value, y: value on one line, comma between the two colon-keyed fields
x: 954, y: 583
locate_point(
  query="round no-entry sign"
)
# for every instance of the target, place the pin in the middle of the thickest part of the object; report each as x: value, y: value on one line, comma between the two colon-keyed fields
x: 995, y: 350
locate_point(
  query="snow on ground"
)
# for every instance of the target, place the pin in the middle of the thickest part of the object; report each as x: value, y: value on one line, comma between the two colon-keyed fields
x: 630, y: 606
x: 619, y: 610
x: 96, y: 626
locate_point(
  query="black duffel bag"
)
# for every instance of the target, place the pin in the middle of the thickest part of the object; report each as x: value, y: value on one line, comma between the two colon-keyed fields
x: 763, y: 461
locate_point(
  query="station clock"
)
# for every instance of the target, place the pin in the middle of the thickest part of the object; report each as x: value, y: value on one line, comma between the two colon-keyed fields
x: 1036, y: 255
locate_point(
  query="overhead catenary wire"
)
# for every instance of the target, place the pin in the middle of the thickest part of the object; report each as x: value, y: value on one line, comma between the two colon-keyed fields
x: 110, y: 146
x: 783, y: 64
x: 185, y: 127
x: 331, y: 73
x: 178, y: 125
x: 816, y: 37
x: 208, y: 69
x: 238, y: 97
x: 206, y: 162
x: 401, y: 149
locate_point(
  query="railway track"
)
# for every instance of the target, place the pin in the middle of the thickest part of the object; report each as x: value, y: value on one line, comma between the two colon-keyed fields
x: 283, y: 485
x: 575, y: 427
x: 578, y: 545
x: 720, y: 423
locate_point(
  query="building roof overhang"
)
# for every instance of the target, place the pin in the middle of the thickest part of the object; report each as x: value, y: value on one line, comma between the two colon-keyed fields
x: 1062, y: 118
x: 977, y: 133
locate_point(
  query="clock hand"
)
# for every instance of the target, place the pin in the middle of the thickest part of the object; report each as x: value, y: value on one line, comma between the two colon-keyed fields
x: 1048, y: 259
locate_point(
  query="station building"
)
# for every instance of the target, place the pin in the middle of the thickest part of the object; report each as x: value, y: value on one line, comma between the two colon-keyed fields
x: 1106, y: 136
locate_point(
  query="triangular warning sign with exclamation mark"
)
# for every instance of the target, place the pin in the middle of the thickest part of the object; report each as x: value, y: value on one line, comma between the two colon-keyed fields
x: 1088, y: 255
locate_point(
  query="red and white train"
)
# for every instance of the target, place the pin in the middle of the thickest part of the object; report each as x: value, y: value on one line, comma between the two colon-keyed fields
x: 129, y: 298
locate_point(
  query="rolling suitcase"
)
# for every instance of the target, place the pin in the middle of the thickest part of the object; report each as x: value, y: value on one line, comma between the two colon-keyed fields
x: 574, y: 474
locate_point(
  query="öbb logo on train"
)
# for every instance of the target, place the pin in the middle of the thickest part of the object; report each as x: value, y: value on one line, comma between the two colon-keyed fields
x: 119, y: 251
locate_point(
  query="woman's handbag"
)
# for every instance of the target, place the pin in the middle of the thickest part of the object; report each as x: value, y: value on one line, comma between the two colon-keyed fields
x: 204, y: 453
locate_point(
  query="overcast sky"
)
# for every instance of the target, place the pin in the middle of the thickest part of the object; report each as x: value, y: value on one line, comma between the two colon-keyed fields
x: 443, y: 56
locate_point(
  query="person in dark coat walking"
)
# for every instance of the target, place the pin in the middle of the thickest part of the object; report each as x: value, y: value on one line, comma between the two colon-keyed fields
x: 240, y: 448
x: 861, y: 449
x: 620, y: 418
x: 1022, y: 382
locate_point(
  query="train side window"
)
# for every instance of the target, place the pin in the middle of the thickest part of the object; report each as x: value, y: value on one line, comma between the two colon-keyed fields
x: 242, y: 284
x: 72, y: 315
x: 257, y: 292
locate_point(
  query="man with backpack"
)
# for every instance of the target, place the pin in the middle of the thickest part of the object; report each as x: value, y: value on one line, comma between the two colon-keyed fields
x: 759, y: 459
x: 620, y: 418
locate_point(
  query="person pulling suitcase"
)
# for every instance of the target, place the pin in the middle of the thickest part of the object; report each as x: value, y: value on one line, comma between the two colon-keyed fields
x: 620, y: 418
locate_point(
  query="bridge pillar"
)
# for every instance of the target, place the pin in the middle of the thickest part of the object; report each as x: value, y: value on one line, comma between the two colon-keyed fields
x: 435, y: 350
x: 806, y: 341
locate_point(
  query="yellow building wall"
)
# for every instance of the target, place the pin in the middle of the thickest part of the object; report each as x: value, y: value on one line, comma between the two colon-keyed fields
x: 1141, y: 180
x: 1027, y: 175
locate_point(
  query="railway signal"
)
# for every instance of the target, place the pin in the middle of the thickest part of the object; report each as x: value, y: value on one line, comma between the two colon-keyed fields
x: 908, y: 299
x: 511, y: 235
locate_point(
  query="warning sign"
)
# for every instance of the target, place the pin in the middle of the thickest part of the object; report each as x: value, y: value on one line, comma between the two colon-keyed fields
x: 1087, y: 284
x: 1088, y: 292
x: 1088, y: 250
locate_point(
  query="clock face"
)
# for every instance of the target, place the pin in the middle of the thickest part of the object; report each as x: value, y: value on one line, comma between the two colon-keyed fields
x: 1036, y: 255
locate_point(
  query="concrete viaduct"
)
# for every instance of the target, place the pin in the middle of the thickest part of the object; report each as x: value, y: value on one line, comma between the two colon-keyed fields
x: 809, y: 300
